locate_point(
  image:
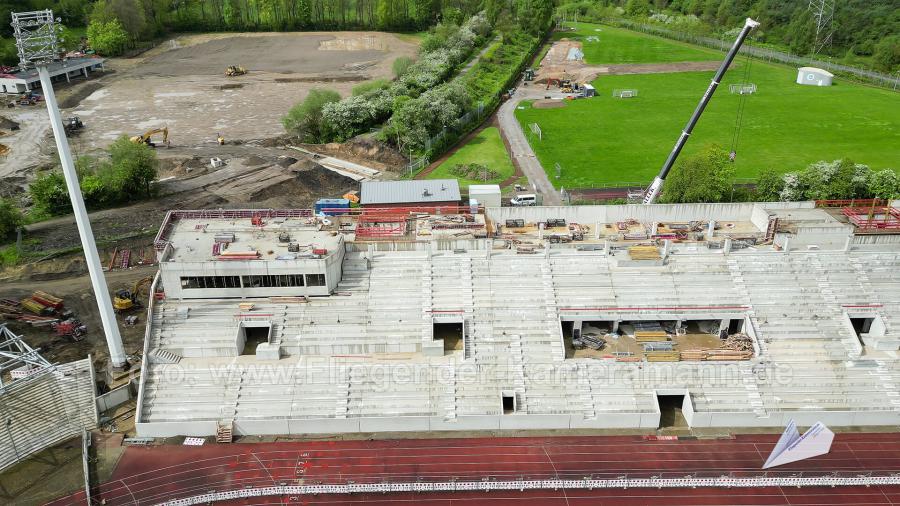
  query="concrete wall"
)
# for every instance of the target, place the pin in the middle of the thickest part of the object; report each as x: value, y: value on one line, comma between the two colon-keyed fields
x: 114, y: 397
x: 330, y: 266
x: 656, y: 212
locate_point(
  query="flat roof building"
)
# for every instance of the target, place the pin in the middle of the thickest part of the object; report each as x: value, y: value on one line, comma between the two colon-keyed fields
x: 23, y: 81
x: 560, y: 318
x: 427, y: 192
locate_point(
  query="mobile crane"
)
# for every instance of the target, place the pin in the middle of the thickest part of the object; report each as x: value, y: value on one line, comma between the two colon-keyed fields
x: 653, y: 191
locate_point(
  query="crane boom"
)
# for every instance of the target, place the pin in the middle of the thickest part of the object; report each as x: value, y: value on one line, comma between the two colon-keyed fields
x: 653, y: 192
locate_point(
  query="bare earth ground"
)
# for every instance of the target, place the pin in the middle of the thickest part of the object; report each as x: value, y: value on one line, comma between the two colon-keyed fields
x: 180, y: 84
x: 556, y: 66
x: 184, y: 87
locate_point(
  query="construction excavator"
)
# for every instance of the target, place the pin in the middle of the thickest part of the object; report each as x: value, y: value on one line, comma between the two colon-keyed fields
x: 147, y: 137
x: 126, y: 299
x: 234, y: 71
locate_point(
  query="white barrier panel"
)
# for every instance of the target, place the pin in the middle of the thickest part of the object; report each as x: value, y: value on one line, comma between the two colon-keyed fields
x: 555, y: 484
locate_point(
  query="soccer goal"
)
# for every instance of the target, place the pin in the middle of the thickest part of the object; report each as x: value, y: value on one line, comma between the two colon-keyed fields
x: 625, y: 93
x: 536, y: 130
x: 742, y: 88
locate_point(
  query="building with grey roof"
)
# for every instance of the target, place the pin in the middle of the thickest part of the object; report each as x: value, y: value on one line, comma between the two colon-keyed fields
x: 427, y: 192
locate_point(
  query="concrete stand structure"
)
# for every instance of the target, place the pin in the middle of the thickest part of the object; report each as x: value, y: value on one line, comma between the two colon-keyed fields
x: 445, y: 332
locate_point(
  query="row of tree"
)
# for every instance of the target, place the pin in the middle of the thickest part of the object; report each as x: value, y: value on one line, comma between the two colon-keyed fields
x: 709, y: 177
x: 862, y: 28
x: 117, y: 25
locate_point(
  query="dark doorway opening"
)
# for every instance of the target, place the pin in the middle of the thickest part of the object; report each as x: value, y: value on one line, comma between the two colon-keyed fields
x: 254, y: 336
x: 450, y: 333
x: 509, y: 404
x: 862, y: 325
x: 670, y: 411
x: 735, y: 326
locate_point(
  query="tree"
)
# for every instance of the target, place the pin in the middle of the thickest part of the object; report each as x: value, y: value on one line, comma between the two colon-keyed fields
x: 704, y: 177
x: 133, y: 167
x: 107, y: 37
x: 887, y: 53
x: 884, y: 184
x: 49, y: 194
x: 305, y: 119
x: 769, y: 186
x: 10, y: 217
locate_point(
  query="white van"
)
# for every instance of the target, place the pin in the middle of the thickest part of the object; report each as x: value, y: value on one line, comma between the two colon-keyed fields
x: 528, y: 199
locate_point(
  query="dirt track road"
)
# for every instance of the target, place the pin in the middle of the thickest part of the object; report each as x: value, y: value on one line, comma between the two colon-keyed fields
x: 520, y: 151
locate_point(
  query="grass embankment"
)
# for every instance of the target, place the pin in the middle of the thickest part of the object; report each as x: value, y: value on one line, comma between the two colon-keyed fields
x: 617, y: 45
x: 486, y: 149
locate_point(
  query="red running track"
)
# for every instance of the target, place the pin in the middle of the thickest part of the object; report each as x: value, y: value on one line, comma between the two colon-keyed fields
x: 154, y: 474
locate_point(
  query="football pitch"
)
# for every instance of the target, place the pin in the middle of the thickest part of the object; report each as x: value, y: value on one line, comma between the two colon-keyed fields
x: 606, y: 141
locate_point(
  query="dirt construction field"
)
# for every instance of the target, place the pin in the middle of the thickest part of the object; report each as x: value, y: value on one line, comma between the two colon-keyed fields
x: 181, y: 84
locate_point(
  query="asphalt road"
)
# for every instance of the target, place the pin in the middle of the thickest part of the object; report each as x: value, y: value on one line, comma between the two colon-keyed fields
x: 520, y: 151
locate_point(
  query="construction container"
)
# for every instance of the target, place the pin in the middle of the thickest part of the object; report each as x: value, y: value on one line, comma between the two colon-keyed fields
x: 487, y: 195
x: 320, y: 251
x: 332, y: 207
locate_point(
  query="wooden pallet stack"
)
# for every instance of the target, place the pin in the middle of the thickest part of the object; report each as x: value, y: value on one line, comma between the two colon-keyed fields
x: 644, y: 253
x: 662, y: 356
x: 650, y: 336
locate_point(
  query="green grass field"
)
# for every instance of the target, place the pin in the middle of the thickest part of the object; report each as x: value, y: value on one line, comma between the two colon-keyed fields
x: 616, y: 45
x: 604, y: 141
x: 485, y: 148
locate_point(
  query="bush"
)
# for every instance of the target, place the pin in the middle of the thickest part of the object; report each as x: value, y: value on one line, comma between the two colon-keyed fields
x: 126, y: 176
x: 401, y: 65
x: 305, y: 119
x: 884, y: 184
x: 704, y: 177
x: 10, y: 218
x: 107, y: 37
x: 377, y: 84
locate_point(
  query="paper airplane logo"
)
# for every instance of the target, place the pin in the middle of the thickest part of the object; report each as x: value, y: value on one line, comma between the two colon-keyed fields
x: 792, y: 447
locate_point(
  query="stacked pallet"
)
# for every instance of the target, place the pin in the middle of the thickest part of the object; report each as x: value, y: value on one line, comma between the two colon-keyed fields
x: 693, y: 355
x: 662, y: 356
x: 644, y: 253
x: 47, y: 300
x: 649, y: 336
x: 728, y: 355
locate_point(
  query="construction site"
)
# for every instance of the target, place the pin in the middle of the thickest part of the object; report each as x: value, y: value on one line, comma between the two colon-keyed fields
x: 288, y: 323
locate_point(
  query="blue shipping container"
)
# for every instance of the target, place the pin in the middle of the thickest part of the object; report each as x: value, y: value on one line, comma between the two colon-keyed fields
x: 334, y: 206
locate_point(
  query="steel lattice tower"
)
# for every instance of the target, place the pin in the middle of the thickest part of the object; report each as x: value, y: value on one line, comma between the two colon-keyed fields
x: 823, y: 13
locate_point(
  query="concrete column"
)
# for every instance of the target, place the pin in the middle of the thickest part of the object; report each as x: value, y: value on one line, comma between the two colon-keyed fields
x: 679, y: 323
x: 597, y: 231
x: 370, y: 251
x: 615, y: 327
x: 86, y: 73
x: 98, y: 281
x: 547, y: 250
x: 68, y: 79
x: 711, y: 231
x: 848, y: 244
x: 666, y: 245
x: 654, y: 226
x: 605, y: 247
x: 541, y: 230
x: 727, y: 247
x: 787, y: 245
x: 432, y: 248
x: 488, y: 245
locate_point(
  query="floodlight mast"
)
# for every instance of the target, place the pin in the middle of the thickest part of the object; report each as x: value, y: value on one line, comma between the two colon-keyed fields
x: 653, y: 192
x: 37, y: 45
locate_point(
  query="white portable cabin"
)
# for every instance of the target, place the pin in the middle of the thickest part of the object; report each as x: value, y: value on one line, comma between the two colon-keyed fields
x: 812, y: 76
x: 486, y: 194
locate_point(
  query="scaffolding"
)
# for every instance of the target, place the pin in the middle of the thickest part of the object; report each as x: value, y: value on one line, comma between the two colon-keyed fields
x: 18, y: 360
x: 874, y: 218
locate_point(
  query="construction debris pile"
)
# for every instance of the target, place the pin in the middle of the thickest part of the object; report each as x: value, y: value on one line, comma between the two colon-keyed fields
x: 44, y: 310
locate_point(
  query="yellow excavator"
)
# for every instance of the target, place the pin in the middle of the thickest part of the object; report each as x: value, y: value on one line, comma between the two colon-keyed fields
x: 126, y: 299
x: 234, y: 71
x: 147, y: 137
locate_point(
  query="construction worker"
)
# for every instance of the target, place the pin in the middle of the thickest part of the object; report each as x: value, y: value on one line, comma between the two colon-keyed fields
x: 220, y: 139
